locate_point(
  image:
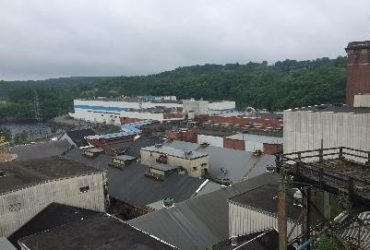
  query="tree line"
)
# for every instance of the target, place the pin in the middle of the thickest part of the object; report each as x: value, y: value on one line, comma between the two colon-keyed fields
x: 283, y: 85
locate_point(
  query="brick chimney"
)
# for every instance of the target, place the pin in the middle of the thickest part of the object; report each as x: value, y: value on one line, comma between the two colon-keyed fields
x: 358, y: 70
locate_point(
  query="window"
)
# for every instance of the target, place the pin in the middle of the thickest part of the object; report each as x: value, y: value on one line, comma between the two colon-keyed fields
x: 84, y: 189
x: 195, y: 168
x: 204, y: 164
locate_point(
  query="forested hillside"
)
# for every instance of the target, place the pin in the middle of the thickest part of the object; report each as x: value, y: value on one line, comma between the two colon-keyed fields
x: 275, y: 87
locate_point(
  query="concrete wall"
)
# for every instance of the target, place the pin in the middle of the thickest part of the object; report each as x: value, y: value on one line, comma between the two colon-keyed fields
x: 198, y: 107
x: 246, y: 220
x: 221, y: 107
x: 193, y: 166
x: 303, y: 130
x: 19, y: 206
x: 216, y: 141
x: 362, y: 100
x: 97, y: 116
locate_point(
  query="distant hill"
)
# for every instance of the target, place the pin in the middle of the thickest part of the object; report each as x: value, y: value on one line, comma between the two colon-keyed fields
x: 283, y: 85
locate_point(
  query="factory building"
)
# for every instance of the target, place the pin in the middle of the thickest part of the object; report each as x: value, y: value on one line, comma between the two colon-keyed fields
x: 335, y: 125
x: 241, y: 141
x: 194, y: 163
x: 328, y: 126
x: 110, y: 111
x: 201, y: 107
x: 248, y: 215
x: 358, y: 70
x: 166, y: 108
x: 27, y: 187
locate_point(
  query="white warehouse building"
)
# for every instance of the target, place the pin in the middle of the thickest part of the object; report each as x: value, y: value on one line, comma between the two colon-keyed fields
x: 305, y: 128
x: 109, y: 111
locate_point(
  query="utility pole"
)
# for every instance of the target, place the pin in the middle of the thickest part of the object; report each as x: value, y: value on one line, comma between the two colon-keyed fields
x: 282, y: 211
x: 36, y: 106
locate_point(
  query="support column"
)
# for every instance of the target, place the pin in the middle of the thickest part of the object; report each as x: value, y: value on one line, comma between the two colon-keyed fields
x: 282, y: 212
x: 307, y: 221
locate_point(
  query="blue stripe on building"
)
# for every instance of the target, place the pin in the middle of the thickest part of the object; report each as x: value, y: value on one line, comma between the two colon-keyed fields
x: 102, y: 108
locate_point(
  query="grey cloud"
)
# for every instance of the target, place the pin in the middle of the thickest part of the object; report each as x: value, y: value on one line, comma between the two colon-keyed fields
x: 41, y: 39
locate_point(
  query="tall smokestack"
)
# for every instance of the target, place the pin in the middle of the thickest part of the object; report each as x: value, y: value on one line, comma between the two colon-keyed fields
x: 358, y: 70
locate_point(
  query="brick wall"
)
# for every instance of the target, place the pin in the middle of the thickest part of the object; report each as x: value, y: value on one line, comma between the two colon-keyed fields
x: 125, y: 120
x: 234, y: 144
x: 272, y: 148
x: 243, y: 121
x: 182, y: 135
x: 358, y: 70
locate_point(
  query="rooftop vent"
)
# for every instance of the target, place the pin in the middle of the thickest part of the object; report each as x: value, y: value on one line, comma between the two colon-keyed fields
x: 234, y: 241
x: 168, y: 202
x: 188, y: 153
x: 270, y: 169
x: 257, y: 153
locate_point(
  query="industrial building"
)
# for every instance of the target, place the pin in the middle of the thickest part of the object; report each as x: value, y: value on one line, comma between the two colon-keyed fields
x: 27, y: 187
x: 326, y: 126
x: 133, y: 190
x: 113, y: 111
x: 66, y: 227
x: 223, y: 165
x: 109, y: 111
x: 203, y: 221
x: 358, y: 71
x: 201, y: 107
x: 256, y: 211
x: 242, y: 141
x: 194, y: 163
x: 336, y: 125
x: 327, y: 150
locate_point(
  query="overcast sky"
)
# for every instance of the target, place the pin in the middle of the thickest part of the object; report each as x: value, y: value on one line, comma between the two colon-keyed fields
x: 51, y: 38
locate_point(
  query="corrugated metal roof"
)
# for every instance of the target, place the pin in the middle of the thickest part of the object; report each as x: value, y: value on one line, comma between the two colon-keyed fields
x: 78, y: 136
x: 351, y: 232
x: 225, y: 163
x: 131, y: 185
x: 172, y: 151
x: 199, y: 222
x: 41, y: 150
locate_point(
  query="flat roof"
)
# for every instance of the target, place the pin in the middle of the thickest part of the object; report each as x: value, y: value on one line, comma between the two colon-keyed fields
x: 100, y: 231
x: 358, y: 45
x: 54, y: 215
x: 226, y: 163
x: 40, y: 150
x: 265, y: 198
x: 132, y: 186
x: 332, y: 108
x: 18, y: 174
